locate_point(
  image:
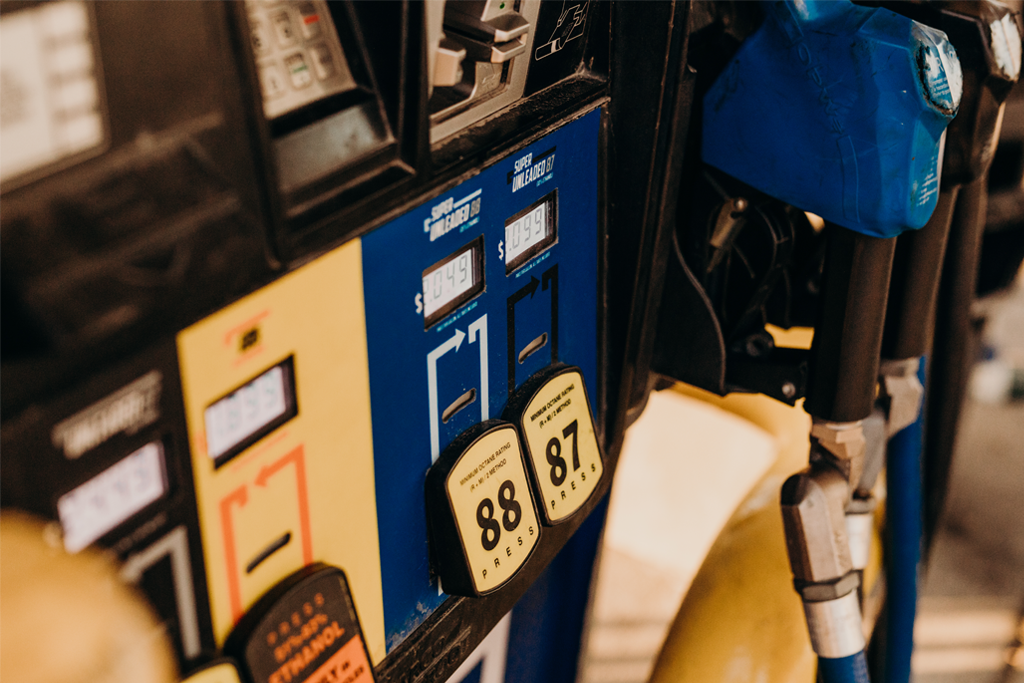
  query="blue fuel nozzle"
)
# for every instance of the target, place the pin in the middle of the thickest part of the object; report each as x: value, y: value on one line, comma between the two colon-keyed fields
x: 839, y: 110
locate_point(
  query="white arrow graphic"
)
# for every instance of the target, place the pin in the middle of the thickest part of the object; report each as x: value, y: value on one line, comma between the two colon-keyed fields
x: 174, y: 546
x: 432, y: 357
x: 480, y: 325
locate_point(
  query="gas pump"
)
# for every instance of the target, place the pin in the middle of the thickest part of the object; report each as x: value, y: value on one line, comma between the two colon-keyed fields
x: 325, y: 319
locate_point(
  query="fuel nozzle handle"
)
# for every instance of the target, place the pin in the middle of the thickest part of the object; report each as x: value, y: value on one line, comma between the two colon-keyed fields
x: 848, y: 333
x: 837, y: 109
x: 987, y: 38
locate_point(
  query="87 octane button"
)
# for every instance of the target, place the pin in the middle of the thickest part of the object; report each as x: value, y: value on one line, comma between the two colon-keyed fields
x: 481, y: 515
x: 553, y: 414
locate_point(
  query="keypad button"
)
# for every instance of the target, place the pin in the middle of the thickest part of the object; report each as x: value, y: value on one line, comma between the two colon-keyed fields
x: 283, y: 29
x: 259, y: 37
x: 323, y: 62
x: 310, y: 21
x: 298, y: 70
x: 272, y: 82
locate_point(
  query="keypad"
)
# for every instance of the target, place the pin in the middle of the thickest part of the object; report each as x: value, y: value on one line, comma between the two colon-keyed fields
x: 298, y: 54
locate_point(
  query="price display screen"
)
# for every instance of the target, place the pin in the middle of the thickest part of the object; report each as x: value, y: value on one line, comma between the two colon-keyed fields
x: 452, y: 281
x: 531, y: 231
x: 90, y: 510
x: 51, y: 87
x: 250, y: 412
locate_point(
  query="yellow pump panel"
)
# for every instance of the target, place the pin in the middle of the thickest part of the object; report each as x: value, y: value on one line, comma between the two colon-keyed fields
x: 304, y: 492
x: 741, y: 620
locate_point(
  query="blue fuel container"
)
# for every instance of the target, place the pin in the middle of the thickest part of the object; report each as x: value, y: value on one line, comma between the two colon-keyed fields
x: 840, y: 110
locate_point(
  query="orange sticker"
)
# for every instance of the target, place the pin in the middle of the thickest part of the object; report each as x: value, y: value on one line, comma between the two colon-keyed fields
x: 348, y: 665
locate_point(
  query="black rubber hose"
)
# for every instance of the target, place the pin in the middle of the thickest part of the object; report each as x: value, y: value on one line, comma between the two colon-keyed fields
x: 914, y: 288
x: 954, y: 347
x: 848, y: 334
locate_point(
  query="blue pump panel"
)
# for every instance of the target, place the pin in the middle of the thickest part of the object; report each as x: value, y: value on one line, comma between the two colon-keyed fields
x: 839, y: 110
x: 466, y: 296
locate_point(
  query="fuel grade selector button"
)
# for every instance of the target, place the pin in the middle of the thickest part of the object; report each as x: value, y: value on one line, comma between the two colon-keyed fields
x: 552, y: 412
x: 304, y: 630
x: 481, y: 515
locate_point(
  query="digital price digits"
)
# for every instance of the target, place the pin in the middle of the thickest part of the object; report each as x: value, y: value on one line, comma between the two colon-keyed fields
x: 451, y: 282
x: 530, y: 232
x: 443, y: 285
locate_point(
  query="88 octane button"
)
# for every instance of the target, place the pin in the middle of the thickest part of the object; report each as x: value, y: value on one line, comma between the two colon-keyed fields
x: 481, y: 515
x: 553, y: 414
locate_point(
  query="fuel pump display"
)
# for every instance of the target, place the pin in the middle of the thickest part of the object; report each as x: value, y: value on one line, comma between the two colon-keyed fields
x: 531, y: 231
x: 250, y: 412
x: 452, y: 281
x: 94, y: 508
x: 55, y: 94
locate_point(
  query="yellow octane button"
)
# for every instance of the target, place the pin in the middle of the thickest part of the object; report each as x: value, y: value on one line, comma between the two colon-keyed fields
x: 481, y: 514
x: 553, y: 415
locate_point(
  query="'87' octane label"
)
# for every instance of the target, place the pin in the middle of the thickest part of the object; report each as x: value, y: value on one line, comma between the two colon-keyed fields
x: 561, y: 445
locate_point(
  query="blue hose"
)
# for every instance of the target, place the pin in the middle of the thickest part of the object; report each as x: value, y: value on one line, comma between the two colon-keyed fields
x: 904, y: 518
x: 852, y: 669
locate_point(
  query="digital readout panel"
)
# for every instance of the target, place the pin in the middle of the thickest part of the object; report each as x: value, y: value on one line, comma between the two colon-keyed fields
x: 250, y: 412
x: 452, y: 281
x: 90, y: 510
x: 531, y: 231
x: 51, y: 87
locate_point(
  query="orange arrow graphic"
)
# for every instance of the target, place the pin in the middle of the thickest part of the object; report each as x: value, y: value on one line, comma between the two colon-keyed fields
x: 296, y: 458
x: 240, y: 496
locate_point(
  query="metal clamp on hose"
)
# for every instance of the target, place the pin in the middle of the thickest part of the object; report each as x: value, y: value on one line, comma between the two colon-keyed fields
x: 903, y: 392
x: 835, y: 626
x: 860, y: 520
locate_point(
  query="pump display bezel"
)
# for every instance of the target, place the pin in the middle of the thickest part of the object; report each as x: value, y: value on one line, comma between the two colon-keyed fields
x: 291, y: 409
x: 476, y: 249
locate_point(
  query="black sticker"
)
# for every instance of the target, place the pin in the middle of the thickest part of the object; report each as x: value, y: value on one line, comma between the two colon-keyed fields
x: 305, y: 630
x: 559, y: 42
